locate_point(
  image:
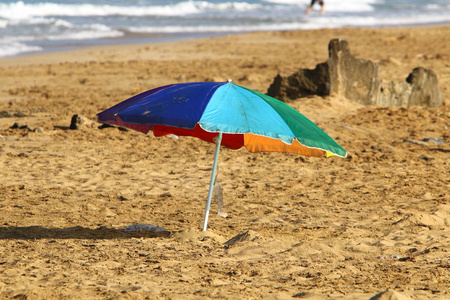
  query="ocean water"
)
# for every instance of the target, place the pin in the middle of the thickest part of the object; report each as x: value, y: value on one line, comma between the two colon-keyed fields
x: 50, y: 25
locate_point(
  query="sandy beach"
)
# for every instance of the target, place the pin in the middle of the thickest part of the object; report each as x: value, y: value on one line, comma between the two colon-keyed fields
x: 374, y: 225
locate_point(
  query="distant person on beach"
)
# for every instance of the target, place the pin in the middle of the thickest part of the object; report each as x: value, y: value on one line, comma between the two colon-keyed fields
x: 322, y: 6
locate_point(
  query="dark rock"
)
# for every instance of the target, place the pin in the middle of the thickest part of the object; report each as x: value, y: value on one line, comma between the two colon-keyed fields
x: 18, y: 126
x: 302, y: 83
x: 341, y: 73
x: 355, y: 79
x: 419, y: 88
x: 79, y: 121
x: 358, y: 80
x: 26, y: 127
x: 424, y: 88
x: 76, y: 122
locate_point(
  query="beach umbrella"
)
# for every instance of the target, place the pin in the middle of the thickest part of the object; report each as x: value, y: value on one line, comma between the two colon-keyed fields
x: 226, y: 114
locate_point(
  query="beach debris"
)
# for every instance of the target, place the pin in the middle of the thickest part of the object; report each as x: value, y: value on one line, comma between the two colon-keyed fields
x: 218, y: 198
x: 414, y: 142
x: 76, y: 122
x: 238, y: 238
x: 140, y: 227
x: 397, y: 257
x: 79, y: 121
x: 434, y: 140
x: 425, y: 141
x: 358, y: 80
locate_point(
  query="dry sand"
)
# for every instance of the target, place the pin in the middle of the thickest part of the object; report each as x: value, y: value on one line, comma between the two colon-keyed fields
x: 373, y: 225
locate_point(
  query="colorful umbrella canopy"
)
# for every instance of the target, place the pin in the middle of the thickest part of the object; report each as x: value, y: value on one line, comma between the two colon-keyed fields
x: 225, y: 113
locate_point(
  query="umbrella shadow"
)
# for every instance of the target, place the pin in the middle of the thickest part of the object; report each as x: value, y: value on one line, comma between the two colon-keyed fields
x: 77, y: 232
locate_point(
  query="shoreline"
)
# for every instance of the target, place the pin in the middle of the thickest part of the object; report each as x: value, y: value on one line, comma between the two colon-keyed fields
x: 139, y: 39
x: 130, y: 39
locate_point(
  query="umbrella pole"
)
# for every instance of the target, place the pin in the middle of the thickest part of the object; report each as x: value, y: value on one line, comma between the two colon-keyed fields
x: 213, y: 177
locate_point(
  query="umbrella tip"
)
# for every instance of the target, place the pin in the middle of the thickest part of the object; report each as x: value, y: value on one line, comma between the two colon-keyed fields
x: 229, y: 80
